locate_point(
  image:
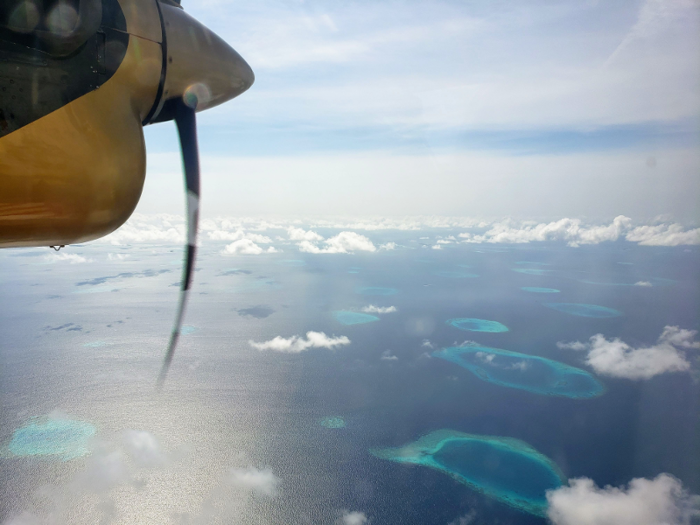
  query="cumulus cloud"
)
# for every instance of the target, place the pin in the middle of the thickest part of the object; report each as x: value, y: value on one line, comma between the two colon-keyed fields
x: 143, y: 448
x: 660, y: 501
x: 427, y: 344
x: 260, y: 481
x: 296, y: 344
x: 117, y: 256
x: 246, y: 247
x: 570, y: 230
x: 388, y: 246
x: 298, y: 234
x: 353, y: 518
x: 371, y: 309
x: 72, y: 258
x: 643, y: 283
x: 575, y: 233
x: 344, y: 242
x: 386, y: 356
x: 223, y: 235
x: 152, y: 229
x: 616, y: 358
x: 664, y: 235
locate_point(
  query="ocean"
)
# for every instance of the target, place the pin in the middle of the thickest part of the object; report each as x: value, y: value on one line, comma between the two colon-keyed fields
x: 84, y: 343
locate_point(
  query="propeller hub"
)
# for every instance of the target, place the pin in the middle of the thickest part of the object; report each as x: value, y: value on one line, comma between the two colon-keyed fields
x: 200, y: 67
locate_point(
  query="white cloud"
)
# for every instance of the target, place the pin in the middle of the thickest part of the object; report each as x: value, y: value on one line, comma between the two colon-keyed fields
x: 467, y: 519
x: 296, y: 344
x: 437, y: 247
x: 679, y: 337
x: 117, y: 256
x: 298, y: 234
x: 618, y: 359
x: 575, y: 345
x: 152, y: 229
x: 104, y: 471
x: 245, y: 247
x: 72, y: 258
x: 643, y: 283
x: 143, y: 448
x: 575, y: 233
x: 371, y: 309
x: 427, y: 344
x: 660, y: 501
x: 260, y: 481
x: 344, y: 242
x: 388, y: 246
x: 223, y: 235
x: 386, y: 356
x: 664, y: 235
x: 353, y: 518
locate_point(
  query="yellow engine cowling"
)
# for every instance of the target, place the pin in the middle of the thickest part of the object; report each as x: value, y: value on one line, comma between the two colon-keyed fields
x: 76, y: 173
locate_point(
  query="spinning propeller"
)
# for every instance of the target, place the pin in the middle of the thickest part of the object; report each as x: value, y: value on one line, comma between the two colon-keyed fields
x: 202, y: 76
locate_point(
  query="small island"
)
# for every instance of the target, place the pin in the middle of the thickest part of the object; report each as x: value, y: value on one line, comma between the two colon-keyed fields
x: 522, y: 371
x: 506, y: 469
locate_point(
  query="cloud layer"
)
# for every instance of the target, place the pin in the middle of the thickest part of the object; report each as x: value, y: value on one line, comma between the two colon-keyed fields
x: 616, y: 358
x: 660, y: 501
x: 297, y: 344
x: 574, y: 233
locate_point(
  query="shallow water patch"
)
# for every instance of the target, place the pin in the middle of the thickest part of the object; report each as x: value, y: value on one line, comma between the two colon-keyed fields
x: 535, y: 289
x: 471, y: 324
x: 333, y: 422
x: 584, y: 310
x: 525, y: 372
x: 63, y: 438
x: 506, y: 469
x: 531, y: 271
x: 347, y: 317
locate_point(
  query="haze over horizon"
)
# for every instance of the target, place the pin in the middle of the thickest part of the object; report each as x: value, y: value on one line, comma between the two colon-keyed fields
x: 550, y: 110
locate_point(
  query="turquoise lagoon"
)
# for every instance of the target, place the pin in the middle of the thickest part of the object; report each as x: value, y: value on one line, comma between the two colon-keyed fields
x: 506, y: 469
x: 531, y: 271
x: 376, y: 290
x: 525, y: 372
x: 348, y: 318
x: 535, y: 289
x: 477, y: 325
x: 333, y: 422
x: 653, y: 281
x: 584, y: 310
x: 63, y: 438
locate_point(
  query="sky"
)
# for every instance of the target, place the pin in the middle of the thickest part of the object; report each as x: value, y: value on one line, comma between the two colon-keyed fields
x: 533, y: 110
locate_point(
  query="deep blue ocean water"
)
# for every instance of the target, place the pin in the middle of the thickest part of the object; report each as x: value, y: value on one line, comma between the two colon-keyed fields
x: 94, y: 356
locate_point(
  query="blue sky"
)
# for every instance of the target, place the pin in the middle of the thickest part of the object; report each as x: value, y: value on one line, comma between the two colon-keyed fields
x: 543, y: 94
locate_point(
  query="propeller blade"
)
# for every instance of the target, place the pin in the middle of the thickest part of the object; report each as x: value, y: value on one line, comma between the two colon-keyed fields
x: 187, y: 129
